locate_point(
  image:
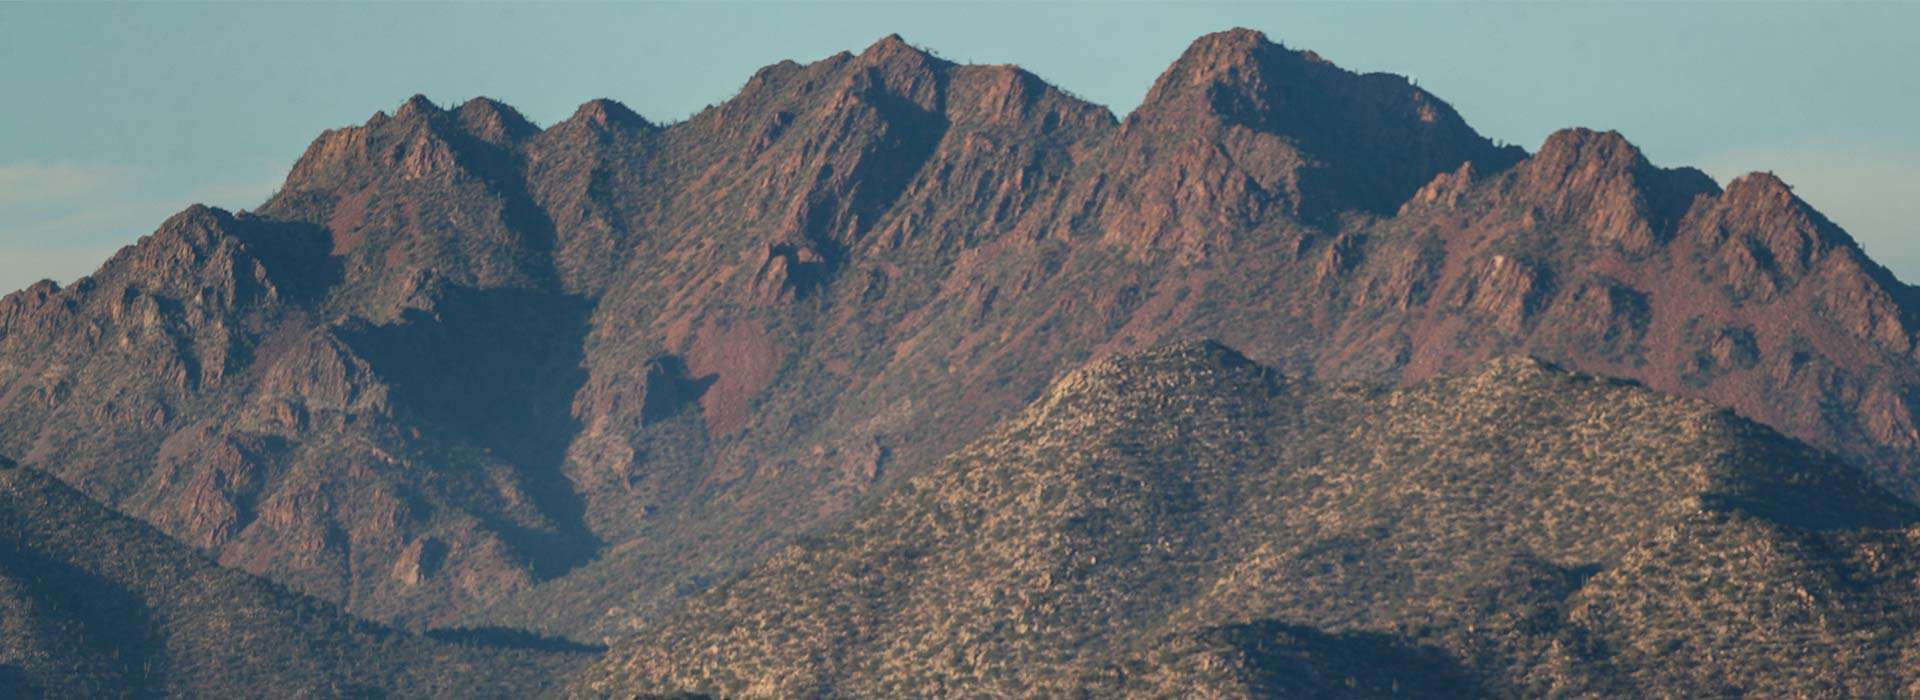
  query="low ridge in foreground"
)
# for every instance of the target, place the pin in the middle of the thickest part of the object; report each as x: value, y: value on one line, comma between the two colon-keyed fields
x: 1187, y: 522
x: 94, y: 605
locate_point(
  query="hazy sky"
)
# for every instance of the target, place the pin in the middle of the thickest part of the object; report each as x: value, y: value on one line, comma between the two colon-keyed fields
x: 115, y: 116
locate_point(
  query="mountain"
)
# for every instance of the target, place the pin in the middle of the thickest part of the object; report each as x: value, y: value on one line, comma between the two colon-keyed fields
x: 1185, y: 522
x: 461, y: 369
x: 93, y: 604
x: 200, y: 382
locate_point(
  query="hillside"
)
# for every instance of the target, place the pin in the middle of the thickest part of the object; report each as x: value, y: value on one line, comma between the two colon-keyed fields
x: 1186, y: 522
x: 465, y: 369
x: 94, y: 605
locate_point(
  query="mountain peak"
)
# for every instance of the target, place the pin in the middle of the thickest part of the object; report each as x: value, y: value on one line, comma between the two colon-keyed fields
x: 607, y: 113
x: 1236, y: 57
x: 494, y: 122
x: 1587, y: 146
x: 1794, y: 234
x: 196, y: 216
x: 416, y: 106
x: 1604, y: 182
x: 1324, y: 140
x: 1584, y: 161
x: 1230, y: 40
x: 1225, y: 48
x: 890, y: 44
x: 892, y: 49
x: 1761, y: 186
x: 1190, y: 363
x: 1197, y: 352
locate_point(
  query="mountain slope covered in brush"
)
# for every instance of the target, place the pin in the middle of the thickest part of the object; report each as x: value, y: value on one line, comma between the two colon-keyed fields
x: 95, y: 605
x: 464, y: 368
x: 1185, y: 522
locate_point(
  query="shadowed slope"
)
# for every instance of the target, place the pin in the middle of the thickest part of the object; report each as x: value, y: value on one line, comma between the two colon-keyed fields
x: 96, y: 605
x: 202, y: 381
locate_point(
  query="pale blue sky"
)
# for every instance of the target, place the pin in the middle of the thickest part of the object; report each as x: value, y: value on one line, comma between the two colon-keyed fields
x: 117, y: 115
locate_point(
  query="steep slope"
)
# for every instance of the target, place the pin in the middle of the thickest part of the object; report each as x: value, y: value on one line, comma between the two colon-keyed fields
x: 96, y: 605
x: 1185, y: 521
x: 1583, y: 253
x: 205, y: 381
x: 461, y: 368
x: 1241, y: 133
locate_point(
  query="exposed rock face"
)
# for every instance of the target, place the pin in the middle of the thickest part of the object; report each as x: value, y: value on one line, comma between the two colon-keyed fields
x: 665, y: 349
x: 1240, y: 131
x: 1186, y: 523
x: 191, y: 384
x: 1600, y: 182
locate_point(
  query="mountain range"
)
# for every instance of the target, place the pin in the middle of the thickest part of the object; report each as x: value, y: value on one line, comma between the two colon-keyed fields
x: 595, y: 380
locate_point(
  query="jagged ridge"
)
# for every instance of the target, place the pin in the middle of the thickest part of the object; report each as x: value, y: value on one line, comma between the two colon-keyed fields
x: 659, y: 351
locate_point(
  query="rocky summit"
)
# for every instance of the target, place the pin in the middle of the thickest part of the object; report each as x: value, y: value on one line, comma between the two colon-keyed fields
x: 464, y: 370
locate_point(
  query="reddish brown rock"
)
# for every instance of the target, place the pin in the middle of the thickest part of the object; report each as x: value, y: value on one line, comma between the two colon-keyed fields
x: 616, y: 341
